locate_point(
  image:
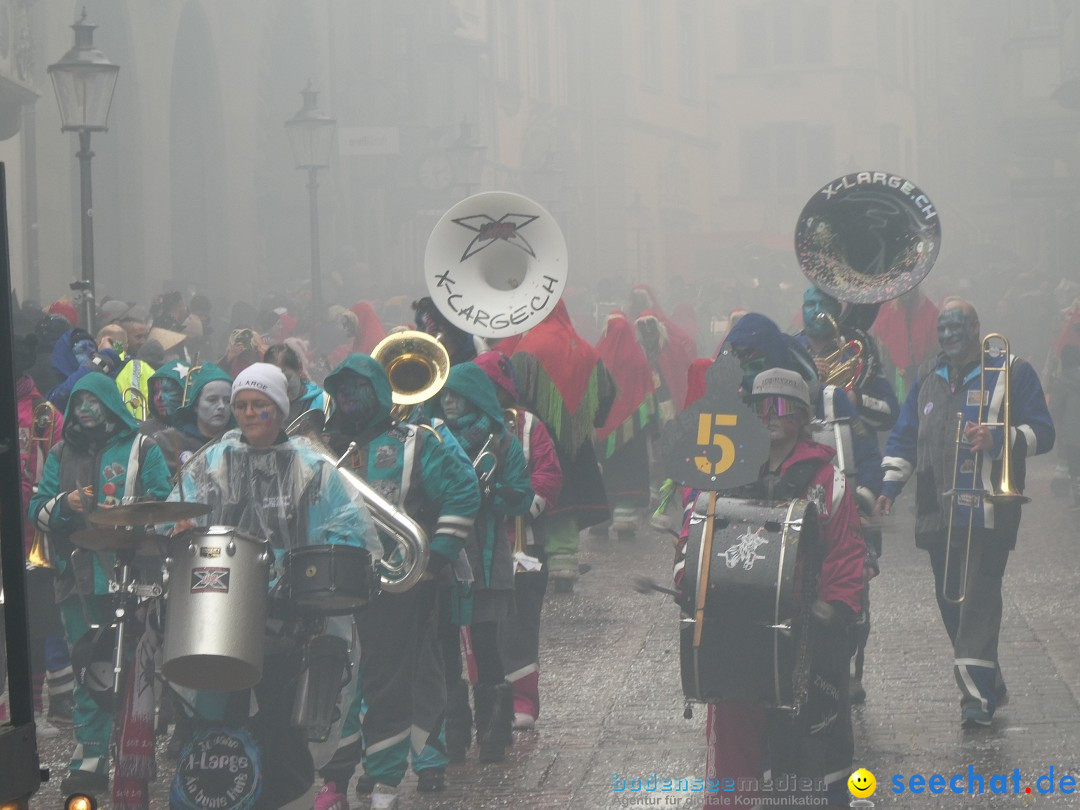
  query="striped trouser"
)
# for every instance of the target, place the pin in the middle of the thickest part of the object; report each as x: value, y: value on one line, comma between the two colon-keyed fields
x: 93, y: 724
x: 975, y: 624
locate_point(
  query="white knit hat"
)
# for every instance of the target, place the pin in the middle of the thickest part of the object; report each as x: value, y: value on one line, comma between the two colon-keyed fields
x: 782, y: 382
x: 266, y: 378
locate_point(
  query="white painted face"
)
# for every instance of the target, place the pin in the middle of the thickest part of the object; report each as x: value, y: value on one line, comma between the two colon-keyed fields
x: 212, y: 408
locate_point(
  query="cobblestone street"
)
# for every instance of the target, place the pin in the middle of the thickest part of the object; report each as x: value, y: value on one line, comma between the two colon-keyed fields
x: 613, y: 703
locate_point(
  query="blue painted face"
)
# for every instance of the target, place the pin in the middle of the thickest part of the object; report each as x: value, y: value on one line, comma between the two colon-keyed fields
x: 958, y: 332
x: 84, y: 351
x: 817, y: 304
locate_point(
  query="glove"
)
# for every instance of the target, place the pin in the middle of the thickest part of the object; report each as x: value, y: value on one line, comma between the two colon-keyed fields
x: 831, y: 615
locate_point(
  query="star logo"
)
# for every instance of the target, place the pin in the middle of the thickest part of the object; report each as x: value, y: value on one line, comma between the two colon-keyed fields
x: 182, y: 370
x: 210, y: 580
x: 507, y: 227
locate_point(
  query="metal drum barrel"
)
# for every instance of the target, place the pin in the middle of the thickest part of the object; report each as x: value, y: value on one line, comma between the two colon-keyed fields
x: 216, y: 602
x: 762, y: 577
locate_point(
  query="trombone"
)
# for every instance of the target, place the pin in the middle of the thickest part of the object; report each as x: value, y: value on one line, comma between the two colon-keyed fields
x: 995, y: 346
x: 189, y: 380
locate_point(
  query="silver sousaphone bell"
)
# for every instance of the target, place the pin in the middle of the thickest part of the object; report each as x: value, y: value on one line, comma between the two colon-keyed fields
x: 496, y: 264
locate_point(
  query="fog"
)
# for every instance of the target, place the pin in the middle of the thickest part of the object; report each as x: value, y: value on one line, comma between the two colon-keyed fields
x: 675, y: 141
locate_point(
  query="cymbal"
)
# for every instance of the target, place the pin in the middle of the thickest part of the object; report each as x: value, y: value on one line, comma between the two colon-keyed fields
x: 148, y: 513
x: 113, y: 539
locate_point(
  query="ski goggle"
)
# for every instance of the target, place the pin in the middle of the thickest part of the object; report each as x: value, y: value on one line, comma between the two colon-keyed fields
x: 753, y: 365
x: 780, y: 406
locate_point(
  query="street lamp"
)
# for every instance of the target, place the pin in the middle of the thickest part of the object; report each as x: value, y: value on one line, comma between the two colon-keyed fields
x: 311, y: 136
x: 84, y: 81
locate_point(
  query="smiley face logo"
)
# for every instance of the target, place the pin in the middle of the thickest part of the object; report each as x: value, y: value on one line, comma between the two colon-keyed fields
x: 862, y: 783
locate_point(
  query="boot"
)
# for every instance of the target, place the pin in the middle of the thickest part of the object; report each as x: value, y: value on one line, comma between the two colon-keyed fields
x: 458, y: 722
x: 497, y: 734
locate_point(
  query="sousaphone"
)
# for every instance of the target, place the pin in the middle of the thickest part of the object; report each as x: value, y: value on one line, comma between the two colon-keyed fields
x: 496, y: 264
x: 868, y: 237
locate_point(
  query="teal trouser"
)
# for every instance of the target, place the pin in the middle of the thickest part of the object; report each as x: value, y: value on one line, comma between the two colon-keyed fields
x: 93, y: 724
x: 562, y: 542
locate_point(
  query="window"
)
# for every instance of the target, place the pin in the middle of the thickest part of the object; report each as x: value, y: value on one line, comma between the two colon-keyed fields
x: 1041, y: 16
x: 751, y: 46
x: 539, y: 80
x: 784, y: 157
x: 783, y: 33
x: 886, y: 38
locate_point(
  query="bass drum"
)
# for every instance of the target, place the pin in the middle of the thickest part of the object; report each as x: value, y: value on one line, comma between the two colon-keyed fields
x: 761, y: 578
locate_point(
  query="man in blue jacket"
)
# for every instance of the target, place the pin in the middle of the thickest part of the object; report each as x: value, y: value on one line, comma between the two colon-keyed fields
x: 923, y: 445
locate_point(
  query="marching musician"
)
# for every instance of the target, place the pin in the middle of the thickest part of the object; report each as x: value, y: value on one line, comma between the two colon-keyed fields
x: 827, y: 340
x: 166, y: 394
x: 923, y: 445
x: 304, y: 395
x: 818, y: 743
x: 101, y: 461
x: 205, y: 418
x: 519, y: 635
x: 40, y: 427
x: 285, y: 490
x: 470, y: 408
x: 434, y: 484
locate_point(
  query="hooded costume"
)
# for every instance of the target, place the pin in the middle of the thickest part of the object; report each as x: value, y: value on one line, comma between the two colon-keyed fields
x: 562, y: 380
x: 183, y: 440
x: 159, y: 417
x: 119, y: 464
x: 414, y: 469
x: 368, y: 330
x: 622, y: 442
x: 519, y: 636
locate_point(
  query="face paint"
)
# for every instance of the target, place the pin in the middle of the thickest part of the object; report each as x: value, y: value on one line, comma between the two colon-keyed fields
x: 84, y: 351
x: 956, y: 333
x: 293, y: 384
x: 212, y: 407
x: 167, y: 396
x: 454, y: 405
x: 89, y: 410
x: 355, y: 396
x: 817, y: 304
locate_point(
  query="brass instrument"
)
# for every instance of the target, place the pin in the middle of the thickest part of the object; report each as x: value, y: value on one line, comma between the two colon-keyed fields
x: 852, y: 360
x: 189, y: 381
x: 995, y: 345
x: 43, y: 427
x: 511, y: 418
x: 409, y: 535
x: 486, y: 452
x: 135, y: 401
x: 416, y: 365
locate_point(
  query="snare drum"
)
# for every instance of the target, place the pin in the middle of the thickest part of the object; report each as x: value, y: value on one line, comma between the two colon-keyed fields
x: 216, y: 600
x: 762, y: 579
x: 331, y: 580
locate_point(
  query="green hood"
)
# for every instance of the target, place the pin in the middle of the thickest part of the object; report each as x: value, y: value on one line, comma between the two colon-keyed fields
x: 170, y: 371
x: 470, y: 381
x: 208, y: 372
x: 369, y: 368
x: 104, y: 388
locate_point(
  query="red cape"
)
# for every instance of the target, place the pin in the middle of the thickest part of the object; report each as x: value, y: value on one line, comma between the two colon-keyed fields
x: 619, y: 349
x: 907, y: 346
x: 567, y: 357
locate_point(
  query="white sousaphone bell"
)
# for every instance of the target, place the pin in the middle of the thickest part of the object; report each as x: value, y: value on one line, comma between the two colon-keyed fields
x: 496, y: 264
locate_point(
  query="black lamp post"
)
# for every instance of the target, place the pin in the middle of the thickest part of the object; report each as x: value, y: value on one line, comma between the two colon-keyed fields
x: 311, y: 135
x: 84, y: 81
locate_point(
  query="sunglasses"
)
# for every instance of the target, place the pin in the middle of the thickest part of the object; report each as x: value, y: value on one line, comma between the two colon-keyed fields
x: 781, y: 406
x: 753, y: 365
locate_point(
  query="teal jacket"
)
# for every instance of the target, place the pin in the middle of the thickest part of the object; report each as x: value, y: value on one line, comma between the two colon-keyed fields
x: 507, y: 493
x: 408, y: 465
x: 106, y: 464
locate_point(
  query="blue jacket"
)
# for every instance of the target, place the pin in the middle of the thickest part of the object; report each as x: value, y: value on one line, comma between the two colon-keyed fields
x: 923, y: 444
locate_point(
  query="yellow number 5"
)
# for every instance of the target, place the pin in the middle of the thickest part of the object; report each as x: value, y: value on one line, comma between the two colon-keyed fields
x: 707, y: 438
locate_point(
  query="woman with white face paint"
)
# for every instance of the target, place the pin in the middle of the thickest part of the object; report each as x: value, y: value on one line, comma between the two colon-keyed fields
x: 204, y: 419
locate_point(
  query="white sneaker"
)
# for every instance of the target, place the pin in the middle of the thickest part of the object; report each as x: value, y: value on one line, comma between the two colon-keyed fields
x: 524, y: 722
x: 45, y: 729
x: 384, y: 797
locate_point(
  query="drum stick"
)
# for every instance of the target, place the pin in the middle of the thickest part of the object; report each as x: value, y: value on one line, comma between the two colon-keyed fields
x: 646, y: 585
x: 703, y: 570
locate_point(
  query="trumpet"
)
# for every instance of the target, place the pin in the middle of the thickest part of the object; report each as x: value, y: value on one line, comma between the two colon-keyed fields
x: 135, y: 401
x: 486, y: 452
x: 996, y: 346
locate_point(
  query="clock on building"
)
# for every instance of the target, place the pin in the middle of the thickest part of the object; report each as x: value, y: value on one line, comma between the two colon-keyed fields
x: 436, y: 172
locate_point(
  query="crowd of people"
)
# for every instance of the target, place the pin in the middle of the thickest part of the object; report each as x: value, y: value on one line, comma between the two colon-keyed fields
x: 530, y: 446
